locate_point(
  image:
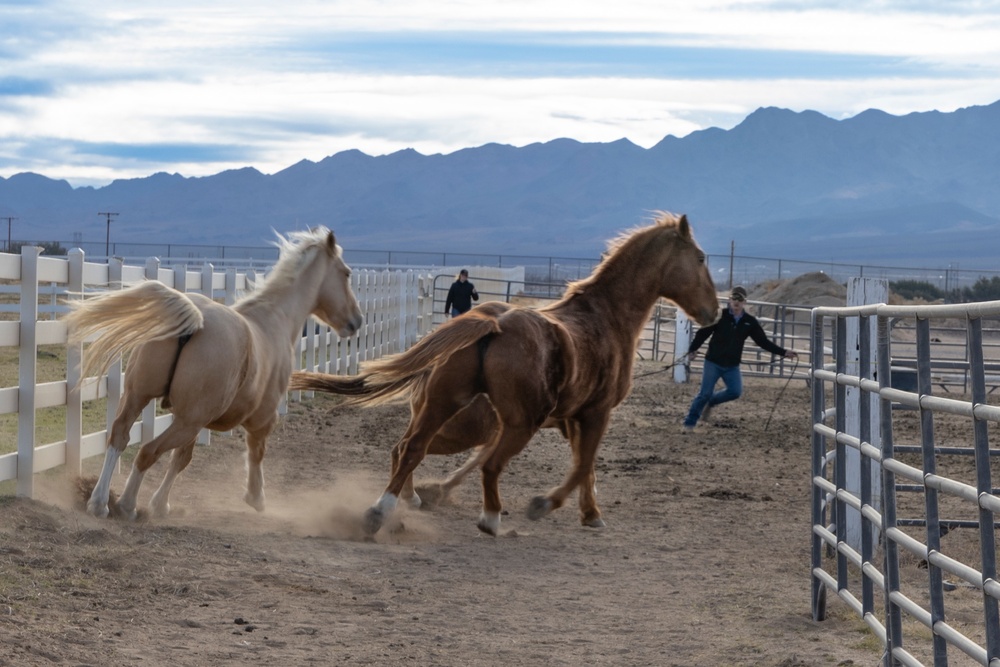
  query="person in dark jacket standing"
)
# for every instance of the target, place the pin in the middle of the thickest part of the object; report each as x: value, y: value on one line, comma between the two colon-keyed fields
x: 461, y: 294
x: 725, y: 349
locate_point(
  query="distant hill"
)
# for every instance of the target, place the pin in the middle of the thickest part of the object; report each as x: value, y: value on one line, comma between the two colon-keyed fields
x: 872, y: 188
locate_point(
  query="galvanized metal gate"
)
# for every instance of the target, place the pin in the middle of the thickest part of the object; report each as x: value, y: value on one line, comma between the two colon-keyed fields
x: 934, y: 446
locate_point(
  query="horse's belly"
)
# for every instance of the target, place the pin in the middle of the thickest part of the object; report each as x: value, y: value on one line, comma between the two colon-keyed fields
x: 224, y: 424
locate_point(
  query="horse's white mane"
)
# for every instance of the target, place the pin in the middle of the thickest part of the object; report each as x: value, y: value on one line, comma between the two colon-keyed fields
x: 294, y: 250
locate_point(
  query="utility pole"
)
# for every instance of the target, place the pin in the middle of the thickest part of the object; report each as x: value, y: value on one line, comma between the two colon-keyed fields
x: 9, y: 219
x: 732, y: 255
x: 107, y: 239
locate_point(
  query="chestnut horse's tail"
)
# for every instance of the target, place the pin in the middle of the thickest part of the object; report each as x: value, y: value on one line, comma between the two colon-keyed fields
x: 126, y: 319
x: 396, y: 376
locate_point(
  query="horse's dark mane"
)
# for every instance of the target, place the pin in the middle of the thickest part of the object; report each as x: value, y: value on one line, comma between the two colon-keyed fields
x: 612, y: 256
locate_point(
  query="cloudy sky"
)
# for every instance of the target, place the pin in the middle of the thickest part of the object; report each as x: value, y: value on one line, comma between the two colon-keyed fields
x: 93, y: 91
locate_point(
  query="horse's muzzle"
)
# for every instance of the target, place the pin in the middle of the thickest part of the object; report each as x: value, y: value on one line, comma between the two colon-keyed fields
x: 709, y: 316
x: 352, y: 326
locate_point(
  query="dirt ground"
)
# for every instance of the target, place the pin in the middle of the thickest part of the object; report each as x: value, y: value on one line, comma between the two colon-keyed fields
x: 704, y: 561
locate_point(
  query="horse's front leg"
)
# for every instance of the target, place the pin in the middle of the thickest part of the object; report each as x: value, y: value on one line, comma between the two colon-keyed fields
x: 256, y: 449
x: 585, y: 439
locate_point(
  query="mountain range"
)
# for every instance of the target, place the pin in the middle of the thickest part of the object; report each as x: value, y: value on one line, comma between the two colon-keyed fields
x: 873, y: 188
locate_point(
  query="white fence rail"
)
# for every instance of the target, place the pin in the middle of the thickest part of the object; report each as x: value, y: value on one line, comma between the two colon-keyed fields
x: 397, y: 307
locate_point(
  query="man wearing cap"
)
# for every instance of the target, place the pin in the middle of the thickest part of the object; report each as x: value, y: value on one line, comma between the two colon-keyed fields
x: 461, y: 294
x: 725, y: 349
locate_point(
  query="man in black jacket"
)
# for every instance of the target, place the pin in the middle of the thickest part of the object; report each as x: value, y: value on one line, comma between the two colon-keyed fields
x: 725, y: 349
x: 461, y: 294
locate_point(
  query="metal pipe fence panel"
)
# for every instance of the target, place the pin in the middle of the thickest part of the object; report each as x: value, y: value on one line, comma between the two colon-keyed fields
x: 927, y: 576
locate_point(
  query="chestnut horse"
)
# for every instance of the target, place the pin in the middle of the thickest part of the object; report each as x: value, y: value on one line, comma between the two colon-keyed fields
x: 214, y: 366
x: 565, y: 365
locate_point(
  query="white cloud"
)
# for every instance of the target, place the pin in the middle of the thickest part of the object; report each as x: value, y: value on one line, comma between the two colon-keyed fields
x: 256, y: 76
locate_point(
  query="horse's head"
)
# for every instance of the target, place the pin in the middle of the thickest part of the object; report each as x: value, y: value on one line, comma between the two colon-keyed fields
x: 336, y: 304
x: 686, y: 279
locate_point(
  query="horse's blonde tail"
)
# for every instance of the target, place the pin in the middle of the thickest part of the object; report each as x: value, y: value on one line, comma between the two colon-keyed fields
x: 127, y: 319
x: 396, y: 376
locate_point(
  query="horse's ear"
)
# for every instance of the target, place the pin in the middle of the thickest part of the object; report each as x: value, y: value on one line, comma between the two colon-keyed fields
x: 331, y: 244
x: 684, y: 227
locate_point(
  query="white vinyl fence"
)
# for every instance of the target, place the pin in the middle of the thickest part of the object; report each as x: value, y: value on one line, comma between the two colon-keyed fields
x: 396, y: 304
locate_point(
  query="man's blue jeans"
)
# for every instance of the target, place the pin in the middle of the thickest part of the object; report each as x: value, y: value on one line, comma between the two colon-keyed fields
x: 731, y: 378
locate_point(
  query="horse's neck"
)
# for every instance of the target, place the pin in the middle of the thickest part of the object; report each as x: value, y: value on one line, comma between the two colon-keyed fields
x: 627, y: 296
x: 281, y: 309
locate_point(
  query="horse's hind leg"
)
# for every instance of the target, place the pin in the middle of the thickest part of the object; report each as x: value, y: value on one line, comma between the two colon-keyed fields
x: 177, y: 435
x: 475, y: 460
x: 475, y: 426
x: 159, y: 504
x: 146, y: 378
x: 407, y: 494
x: 128, y: 410
x: 407, y: 455
x: 512, y: 441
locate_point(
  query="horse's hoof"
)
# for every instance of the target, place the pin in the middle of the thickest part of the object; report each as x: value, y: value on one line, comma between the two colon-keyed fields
x: 100, y: 511
x: 414, y: 502
x: 431, y: 495
x: 159, y: 511
x: 255, y: 502
x: 372, y: 520
x: 489, y: 523
x: 539, y: 507
x: 594, y: 523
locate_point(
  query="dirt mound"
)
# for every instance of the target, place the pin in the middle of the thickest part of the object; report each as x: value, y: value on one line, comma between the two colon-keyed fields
x: 809, y: 289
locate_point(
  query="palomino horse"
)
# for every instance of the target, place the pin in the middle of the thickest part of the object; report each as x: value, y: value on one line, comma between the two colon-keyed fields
x: 215, y: 366
x: 565, y: 365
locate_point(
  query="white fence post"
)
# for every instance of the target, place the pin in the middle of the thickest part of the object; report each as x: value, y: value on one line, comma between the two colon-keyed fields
x: 861, y: 292
x: 74, y: 376
x: 148, y: 428
x: 231, y: 293
x: 359, y: 351
x: 27, y: 375
x: 405, y: 308
x: 682, y: 341
x: 115, y: 371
